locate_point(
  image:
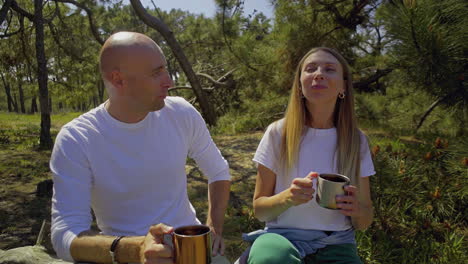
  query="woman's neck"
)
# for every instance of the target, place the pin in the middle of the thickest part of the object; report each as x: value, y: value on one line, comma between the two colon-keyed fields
x: 320, y: 116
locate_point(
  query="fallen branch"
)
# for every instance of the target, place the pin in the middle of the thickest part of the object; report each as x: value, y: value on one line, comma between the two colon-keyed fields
x: 40, y: 237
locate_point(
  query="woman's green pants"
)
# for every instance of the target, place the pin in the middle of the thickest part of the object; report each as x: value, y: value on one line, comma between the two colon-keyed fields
x: 275, y: 249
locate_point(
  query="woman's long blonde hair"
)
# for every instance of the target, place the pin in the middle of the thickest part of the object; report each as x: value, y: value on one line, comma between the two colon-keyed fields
x: 348, y: 135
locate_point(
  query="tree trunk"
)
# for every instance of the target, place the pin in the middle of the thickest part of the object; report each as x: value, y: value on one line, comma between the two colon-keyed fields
x: 45, y: 141
x: 33, y: 105
x: 21, y: 97
x: 15, y: 103
x: 206, y: 109
x: 433, y: 106
x: 7, y: 92
x: 4, y: 10
x: 100, y: 88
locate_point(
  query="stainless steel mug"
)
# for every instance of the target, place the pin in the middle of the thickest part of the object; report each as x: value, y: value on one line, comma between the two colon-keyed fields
x: 192, y: 244
x: 329, y: 185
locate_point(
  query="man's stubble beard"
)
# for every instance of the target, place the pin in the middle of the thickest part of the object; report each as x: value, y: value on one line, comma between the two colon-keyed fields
x: 158, y: 107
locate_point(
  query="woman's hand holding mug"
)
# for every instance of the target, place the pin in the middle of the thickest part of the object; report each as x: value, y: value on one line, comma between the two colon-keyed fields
x: 349, y: 203
x: 301, y: 190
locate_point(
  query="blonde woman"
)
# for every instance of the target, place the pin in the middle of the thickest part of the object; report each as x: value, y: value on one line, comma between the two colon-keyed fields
x: 318, y: 134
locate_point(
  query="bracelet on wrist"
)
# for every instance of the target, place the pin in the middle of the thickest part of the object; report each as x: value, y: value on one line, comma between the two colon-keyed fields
x: 113, y: 249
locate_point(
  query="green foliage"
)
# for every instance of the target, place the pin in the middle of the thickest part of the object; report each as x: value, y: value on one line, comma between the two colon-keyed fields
x: 418, y: 191
x: 253, y: 116
x: 402, y: 106
x: 418, y: 196
x: 430, y: 43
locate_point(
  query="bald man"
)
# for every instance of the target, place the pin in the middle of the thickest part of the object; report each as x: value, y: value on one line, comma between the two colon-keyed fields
x: 125, y: 161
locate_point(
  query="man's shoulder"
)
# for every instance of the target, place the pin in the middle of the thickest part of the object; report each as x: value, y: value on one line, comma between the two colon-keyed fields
x: 85, y: 122
x: 178, y: 104
x: 175, y: 101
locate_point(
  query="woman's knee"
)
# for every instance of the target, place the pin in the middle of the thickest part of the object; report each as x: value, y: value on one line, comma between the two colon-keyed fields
x: 273, y: 248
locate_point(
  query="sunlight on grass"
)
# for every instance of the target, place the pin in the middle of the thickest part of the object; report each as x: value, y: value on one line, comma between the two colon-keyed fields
x: 14, y: 120
x: 418, y: 192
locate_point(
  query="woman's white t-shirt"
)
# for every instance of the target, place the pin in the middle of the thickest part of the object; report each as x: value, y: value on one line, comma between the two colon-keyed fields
x: 317, y: 153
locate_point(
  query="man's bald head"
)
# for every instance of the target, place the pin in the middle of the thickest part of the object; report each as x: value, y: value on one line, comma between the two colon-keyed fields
x: 121, y: 49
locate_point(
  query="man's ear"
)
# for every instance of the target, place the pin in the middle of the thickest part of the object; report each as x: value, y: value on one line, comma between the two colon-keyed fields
x: 117, y: 79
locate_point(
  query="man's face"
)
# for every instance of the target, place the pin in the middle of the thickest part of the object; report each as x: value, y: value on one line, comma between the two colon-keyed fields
x: 148, y: 80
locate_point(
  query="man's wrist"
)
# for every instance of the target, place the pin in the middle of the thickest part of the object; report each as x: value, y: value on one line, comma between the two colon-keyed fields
x: 129, y: 249
x: 113, y: 249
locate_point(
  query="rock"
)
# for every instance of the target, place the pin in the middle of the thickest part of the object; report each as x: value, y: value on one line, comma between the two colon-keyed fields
x: 28, y: 255
x: 45, y: 188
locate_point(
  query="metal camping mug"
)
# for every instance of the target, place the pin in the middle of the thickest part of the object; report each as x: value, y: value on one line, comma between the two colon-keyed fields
x: 329, y: 185
x: 192, y: 244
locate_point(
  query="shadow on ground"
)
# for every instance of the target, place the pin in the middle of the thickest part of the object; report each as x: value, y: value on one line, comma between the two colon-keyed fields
x: 22, y: 212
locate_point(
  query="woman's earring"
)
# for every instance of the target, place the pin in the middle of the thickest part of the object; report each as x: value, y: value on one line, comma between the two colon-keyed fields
x: 341, y: 95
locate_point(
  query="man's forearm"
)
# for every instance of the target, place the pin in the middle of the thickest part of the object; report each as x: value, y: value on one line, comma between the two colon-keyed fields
x: 91, y: 247
x: 218, y: 197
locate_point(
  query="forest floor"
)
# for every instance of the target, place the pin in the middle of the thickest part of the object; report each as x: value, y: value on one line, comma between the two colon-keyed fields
x: 419, y: 193
x: 22, y: 167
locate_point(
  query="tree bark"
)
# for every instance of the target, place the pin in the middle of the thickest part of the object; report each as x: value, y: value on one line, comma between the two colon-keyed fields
x: 206, y: 109
x: 6, y: 85
x: 89, y: 13
x: 363, y: 85
x: 433, y: 106
x: 33, y: 105
x: 100, y: 88
x: 15, y: 103
x: 45, y: 140
x: 4, y: 10
x: 94, y: 101
x: 10, y: 101
x: 21, y: 97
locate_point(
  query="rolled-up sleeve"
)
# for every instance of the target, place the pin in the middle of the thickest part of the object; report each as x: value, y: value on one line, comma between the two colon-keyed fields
x: 205, y: 152
x: 268, y: 150
x: 71, y: 201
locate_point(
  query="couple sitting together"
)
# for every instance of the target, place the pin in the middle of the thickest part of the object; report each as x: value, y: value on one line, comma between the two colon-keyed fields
x: 125, y: 161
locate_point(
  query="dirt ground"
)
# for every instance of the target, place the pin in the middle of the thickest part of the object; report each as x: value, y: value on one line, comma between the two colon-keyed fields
x: 22, y: 211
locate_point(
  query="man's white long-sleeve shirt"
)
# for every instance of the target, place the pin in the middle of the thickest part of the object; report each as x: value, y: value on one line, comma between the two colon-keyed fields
x: 131, y: 175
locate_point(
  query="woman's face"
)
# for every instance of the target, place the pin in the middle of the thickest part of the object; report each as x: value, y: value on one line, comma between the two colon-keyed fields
x: 322, y: 78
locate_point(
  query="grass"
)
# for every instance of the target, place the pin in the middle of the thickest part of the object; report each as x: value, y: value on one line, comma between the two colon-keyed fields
x: 418, y: 198
x: 13, y: 120
x: 419, y: 192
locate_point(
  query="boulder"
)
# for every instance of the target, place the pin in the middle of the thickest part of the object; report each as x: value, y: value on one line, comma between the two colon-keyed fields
x: 28, y: 255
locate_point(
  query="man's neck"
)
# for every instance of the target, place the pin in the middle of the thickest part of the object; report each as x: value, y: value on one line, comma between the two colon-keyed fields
x: 123, y: 113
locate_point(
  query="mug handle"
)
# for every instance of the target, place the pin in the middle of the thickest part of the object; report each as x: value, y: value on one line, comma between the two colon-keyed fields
x: 168, y: 239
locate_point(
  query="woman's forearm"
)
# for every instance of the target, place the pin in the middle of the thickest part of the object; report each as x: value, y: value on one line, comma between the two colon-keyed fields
x: 365, y: 219
x: 268, y: 208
